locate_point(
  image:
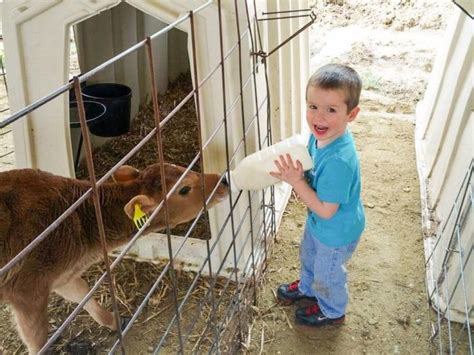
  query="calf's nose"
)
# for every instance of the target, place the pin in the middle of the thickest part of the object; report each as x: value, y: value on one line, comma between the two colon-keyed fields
x: 224, y: 180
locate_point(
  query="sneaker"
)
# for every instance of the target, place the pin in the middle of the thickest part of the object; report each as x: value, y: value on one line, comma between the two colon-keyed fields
x: 313, y: 317
x: 289, y: 293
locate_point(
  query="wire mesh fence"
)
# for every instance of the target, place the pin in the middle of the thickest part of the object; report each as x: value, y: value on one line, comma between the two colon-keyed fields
x: 449, y: 266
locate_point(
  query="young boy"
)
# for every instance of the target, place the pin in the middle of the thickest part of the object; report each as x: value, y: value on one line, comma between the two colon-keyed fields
x: 331, y: 190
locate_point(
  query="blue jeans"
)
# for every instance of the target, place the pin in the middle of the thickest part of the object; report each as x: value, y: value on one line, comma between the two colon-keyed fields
x: 323, y: 274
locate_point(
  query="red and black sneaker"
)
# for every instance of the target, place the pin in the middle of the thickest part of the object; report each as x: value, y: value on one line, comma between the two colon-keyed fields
x: 289, y: 293
x: 313, y: 317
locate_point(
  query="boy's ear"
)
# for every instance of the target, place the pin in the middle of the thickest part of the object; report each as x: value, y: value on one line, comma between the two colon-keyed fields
x: 125, y: 173
x: 353, y: 114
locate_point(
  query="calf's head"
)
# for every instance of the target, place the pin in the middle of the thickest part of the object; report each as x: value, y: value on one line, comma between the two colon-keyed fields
x: 185, y: 202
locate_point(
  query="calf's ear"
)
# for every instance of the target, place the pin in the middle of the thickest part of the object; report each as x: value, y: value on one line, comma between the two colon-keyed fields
x: 146, y: 204
x: 125, y: 173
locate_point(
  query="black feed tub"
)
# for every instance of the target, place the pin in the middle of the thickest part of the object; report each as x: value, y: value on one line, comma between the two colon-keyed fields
x: 117, y: 100
x: 107, y: 108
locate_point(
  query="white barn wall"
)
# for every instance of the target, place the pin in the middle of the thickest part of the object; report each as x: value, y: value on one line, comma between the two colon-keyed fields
x: 304, y: 67
x: 444, y: 142
x: 273, y: 64
x: 37, y: 50
x: 285, y: 74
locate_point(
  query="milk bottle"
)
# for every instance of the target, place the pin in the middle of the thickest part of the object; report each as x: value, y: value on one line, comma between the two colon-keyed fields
x: 253, y: 172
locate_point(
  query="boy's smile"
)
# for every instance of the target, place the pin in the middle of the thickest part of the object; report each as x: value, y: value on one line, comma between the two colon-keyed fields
x: 326, y: 114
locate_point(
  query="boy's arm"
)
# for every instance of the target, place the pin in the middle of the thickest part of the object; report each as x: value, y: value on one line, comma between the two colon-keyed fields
x: 293, y: 174
x: 323, y: 209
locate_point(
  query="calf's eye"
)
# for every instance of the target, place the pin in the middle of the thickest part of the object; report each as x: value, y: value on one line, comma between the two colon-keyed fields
x: 184, y: 190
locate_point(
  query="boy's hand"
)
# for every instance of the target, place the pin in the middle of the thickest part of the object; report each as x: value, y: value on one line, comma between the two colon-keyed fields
x: 288, y: 170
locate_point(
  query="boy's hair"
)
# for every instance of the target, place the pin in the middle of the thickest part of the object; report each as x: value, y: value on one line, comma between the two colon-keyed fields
x: 338, y: 77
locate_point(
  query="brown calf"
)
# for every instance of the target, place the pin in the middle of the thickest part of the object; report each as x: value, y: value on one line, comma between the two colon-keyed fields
x: 30, y: 200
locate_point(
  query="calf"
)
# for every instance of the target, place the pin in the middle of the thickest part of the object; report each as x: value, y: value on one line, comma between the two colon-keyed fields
x: 30, y: 200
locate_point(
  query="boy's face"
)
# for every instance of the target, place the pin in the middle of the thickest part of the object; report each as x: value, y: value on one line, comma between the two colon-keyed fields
x: 326, y: 114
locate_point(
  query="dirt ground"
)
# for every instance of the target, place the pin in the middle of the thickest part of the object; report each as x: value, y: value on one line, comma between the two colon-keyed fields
x: 392, y: 44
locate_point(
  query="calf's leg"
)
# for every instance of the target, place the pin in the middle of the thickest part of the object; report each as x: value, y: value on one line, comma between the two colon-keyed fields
x: 75, y: 290
x: 31, y: 314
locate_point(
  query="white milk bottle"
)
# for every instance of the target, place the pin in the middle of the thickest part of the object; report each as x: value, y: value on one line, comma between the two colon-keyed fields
x: 253, y: 172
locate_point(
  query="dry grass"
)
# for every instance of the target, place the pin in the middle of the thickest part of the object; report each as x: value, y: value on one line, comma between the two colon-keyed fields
x: 133, y: 281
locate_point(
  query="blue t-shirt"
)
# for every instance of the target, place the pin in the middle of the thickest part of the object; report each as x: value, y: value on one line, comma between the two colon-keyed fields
x: 335, y: 177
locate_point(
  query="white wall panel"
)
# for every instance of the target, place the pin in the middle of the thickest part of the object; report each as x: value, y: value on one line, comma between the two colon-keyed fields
x: 444, y: 146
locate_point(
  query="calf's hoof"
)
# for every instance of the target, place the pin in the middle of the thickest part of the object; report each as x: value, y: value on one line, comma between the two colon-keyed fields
x: 80, y: 347
x: 124, y: 322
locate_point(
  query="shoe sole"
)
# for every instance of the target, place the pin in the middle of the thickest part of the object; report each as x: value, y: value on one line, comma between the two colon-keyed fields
x: 285, y: 302
x: 336, y: 323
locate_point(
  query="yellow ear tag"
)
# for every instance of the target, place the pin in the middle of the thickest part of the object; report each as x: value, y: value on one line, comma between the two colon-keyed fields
x: 139, y: 217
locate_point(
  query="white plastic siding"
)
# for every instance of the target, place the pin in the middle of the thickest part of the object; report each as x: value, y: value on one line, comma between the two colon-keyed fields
x: 444, y: 141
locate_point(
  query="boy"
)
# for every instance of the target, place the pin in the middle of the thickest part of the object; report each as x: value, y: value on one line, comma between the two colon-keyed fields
x: 331, y: 190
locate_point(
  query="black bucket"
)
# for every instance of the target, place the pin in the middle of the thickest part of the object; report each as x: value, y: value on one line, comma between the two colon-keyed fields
x: 94, y: 113
x: 117, y: 100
